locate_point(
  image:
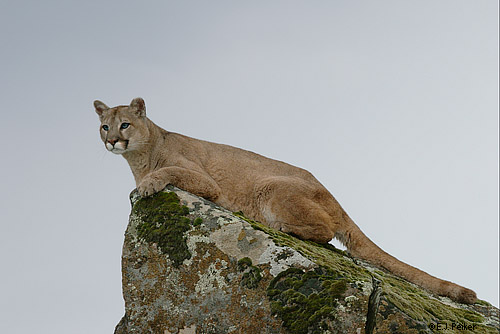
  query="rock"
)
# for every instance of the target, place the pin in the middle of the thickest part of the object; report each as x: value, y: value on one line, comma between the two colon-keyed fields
x: 190, y: 266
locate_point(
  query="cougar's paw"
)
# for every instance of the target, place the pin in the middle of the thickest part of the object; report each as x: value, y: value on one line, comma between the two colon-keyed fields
x: 150, y: 186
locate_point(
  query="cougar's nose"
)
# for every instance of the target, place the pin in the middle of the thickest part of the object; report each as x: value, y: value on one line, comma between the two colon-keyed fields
x: 112, y: 141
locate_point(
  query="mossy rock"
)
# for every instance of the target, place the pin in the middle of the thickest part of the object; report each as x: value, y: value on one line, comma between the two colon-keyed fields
x: 214, y: 293
x: 398, y: 294
x: 304, y: 300
x: 165, y: 221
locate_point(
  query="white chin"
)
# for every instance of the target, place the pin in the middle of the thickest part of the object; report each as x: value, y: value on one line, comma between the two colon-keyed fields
x: 117, y: 151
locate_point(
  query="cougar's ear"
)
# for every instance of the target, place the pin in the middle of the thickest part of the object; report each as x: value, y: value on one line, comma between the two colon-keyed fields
x: 138, y: 106
x: 100, y: 107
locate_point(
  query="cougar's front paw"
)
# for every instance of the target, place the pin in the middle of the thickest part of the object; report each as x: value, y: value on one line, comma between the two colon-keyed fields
x: 150, y: 186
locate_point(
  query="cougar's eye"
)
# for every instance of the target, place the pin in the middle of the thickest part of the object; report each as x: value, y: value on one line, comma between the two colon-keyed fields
x: 124, y: 125
x: 105, y: 127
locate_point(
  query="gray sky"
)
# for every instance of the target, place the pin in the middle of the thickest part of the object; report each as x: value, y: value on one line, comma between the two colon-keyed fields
x: 392, y: 105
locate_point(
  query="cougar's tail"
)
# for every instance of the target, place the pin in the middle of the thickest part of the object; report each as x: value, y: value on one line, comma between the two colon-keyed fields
x: 362, y: 247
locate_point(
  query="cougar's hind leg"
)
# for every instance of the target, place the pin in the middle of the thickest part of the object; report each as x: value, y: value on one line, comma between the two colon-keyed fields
x: 289, y: 206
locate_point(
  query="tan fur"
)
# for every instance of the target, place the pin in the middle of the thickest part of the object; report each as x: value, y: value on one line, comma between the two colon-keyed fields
x: 282, y: 196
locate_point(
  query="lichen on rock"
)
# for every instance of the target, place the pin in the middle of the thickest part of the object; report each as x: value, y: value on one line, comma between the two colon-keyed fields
x: 190, y: 266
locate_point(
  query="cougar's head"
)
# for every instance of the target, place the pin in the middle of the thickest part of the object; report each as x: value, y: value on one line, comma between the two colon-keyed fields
x: 123, y: 128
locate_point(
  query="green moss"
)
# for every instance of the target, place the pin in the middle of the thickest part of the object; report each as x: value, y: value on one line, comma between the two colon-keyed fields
x: 164, y: 222
x: 400, y: 294
x: 197, y: 221
x: 244, y: 263
x: 417, y: 304
x: 304, y: 300
x: 253, y: 274
x: 483, y: 302
x: 252, y: 278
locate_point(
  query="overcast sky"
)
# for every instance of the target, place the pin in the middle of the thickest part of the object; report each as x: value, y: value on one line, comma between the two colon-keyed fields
x: 392, y: 105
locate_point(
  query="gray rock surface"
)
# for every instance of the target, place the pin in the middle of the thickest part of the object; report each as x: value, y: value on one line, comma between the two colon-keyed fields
x: 189, y: 266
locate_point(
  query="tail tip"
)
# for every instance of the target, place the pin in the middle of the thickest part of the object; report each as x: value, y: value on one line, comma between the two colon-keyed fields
x: 457, y: 293
x: 467, y: 296
x: 462, y: 295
